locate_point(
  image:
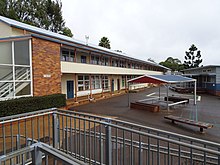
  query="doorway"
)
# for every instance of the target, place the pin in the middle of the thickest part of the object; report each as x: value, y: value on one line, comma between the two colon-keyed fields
x: 112, y: 85
x: 118, y: 84
x: 70, y: 89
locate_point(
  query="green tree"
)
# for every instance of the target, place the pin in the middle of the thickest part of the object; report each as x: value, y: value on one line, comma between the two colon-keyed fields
x: 192, y: 57
x: 67, y: 32
x: 173, y: 63
x: 46, y: 14
x: 104, y: 42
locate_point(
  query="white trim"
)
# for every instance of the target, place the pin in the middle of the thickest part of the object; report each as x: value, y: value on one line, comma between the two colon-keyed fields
x: 24, y: 66
x: 30, y: 57
x: 162, y: 81
x: 13, y: 67
x: 6, y: 65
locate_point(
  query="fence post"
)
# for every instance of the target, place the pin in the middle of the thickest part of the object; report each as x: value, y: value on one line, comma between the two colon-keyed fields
x: 36, y: 156
x: 108, y: 144
x: 55, y: 131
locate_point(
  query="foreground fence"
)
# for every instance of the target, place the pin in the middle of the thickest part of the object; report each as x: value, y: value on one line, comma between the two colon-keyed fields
x: 59, y: 136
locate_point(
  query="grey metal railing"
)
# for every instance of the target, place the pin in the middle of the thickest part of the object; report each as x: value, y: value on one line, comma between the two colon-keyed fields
x: 99, y: 140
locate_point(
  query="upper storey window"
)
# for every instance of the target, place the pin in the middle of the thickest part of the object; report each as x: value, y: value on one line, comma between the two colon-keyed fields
x: 83, y: 59
x: 67, y: 55
x: 95, y: 60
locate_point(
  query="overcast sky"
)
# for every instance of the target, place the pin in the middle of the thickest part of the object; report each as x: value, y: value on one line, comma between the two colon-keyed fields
x: 144, y: 29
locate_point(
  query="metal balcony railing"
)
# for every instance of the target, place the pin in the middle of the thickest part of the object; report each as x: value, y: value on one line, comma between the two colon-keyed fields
x: 66, y: 136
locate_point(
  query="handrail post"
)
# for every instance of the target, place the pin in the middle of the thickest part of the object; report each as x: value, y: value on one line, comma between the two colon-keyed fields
x: 36, y: 156
x: 18, y: 147
x: 55, y: 130
x: 108, y: 144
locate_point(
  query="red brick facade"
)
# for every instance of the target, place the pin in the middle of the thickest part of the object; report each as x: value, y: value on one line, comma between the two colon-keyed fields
x: 46, y: 67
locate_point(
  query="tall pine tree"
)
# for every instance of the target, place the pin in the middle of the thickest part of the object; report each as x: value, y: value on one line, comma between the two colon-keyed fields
x: 192, y: 57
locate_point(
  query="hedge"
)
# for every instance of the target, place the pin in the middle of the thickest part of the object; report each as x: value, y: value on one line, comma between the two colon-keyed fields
x: 29, y: 104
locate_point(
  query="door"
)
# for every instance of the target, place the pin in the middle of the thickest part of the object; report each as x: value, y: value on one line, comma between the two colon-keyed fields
x: 118, y: 84
x: 112, y: 85
x: 70, y: 90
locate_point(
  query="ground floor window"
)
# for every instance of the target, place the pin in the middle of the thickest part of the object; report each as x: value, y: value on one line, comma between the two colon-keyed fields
x: 83, y: 83
x: 96, y: 82
x: 105, y: 82
x: 123, y: 81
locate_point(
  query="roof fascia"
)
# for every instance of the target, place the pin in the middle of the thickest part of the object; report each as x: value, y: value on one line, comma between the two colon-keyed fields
x: 15, y: 38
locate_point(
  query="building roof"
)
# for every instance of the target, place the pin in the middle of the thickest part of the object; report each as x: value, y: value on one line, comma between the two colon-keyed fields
x: 48, y: 33
x: 161, y: 79
x: 202, y: 67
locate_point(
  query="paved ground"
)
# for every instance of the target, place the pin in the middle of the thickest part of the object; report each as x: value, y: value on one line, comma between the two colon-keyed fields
x: 208, y: 110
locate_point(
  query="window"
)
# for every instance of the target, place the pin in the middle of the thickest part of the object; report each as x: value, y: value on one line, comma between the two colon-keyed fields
x: 83, y: 59
x: 83, y: 83
x: 15, y: 74
x: 105, y: 85
x: 67, y: 55
x: 106, y: 61
x: 6, y: 54
x: 95, y: 60
x: 21, y: 52
x: 123, y: 81
x: 96, y: 82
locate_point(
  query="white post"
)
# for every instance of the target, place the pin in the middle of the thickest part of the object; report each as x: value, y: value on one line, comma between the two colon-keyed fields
x: 159, y: 92
x: 167, y: 97
x: 195, y: 93
x: 128, y: 95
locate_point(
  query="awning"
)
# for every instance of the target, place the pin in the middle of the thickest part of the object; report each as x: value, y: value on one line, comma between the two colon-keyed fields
x: 161, y: 79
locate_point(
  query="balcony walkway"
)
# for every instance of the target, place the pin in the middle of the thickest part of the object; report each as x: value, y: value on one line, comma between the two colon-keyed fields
x: 59, y: 136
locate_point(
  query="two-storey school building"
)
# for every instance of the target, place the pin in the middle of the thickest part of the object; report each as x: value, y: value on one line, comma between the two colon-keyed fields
x: 35, y: 62
x: 208, y: 78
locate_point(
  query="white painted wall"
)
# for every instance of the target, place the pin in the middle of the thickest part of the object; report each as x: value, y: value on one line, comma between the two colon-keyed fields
x: 6, y: 31
x: 64, y: 79
x: 70, y: 67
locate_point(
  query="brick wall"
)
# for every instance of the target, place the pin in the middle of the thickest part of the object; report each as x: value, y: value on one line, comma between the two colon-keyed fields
x: 46, y: 67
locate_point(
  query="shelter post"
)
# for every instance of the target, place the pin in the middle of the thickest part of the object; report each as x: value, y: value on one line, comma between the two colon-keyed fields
x: 167, y: 97
x: 195, y: 92
x: 159, y: 91
x: 128, y: 95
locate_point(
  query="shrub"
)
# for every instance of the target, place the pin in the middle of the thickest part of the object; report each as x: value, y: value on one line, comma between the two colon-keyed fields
x: 29, y: 104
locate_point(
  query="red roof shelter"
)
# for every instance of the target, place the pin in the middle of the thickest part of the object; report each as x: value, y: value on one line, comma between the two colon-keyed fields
x: 163, y: 79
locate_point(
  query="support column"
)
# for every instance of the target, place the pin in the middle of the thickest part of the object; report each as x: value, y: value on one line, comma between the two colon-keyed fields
x: 195, y: 93
x: 90, y: 85
x: 128, y: 95
x: 159, y: 91
x: 102, y: 84
x: 126, y: 78
x: 90, y: 58
x: 111, y: 85
x: 167, y: 97
x: 75, y: 58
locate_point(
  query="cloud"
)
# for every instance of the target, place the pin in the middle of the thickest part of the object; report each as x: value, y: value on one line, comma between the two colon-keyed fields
x: 146, y: 29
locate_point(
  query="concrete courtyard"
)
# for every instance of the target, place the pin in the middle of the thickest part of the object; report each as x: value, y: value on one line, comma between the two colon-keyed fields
x: 207, y: 111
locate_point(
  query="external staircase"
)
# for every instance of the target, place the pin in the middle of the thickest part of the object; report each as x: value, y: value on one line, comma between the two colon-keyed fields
x: 7, y: 88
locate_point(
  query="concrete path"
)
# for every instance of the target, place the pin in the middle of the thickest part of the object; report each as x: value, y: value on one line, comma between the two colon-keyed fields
x: 208, y: 110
